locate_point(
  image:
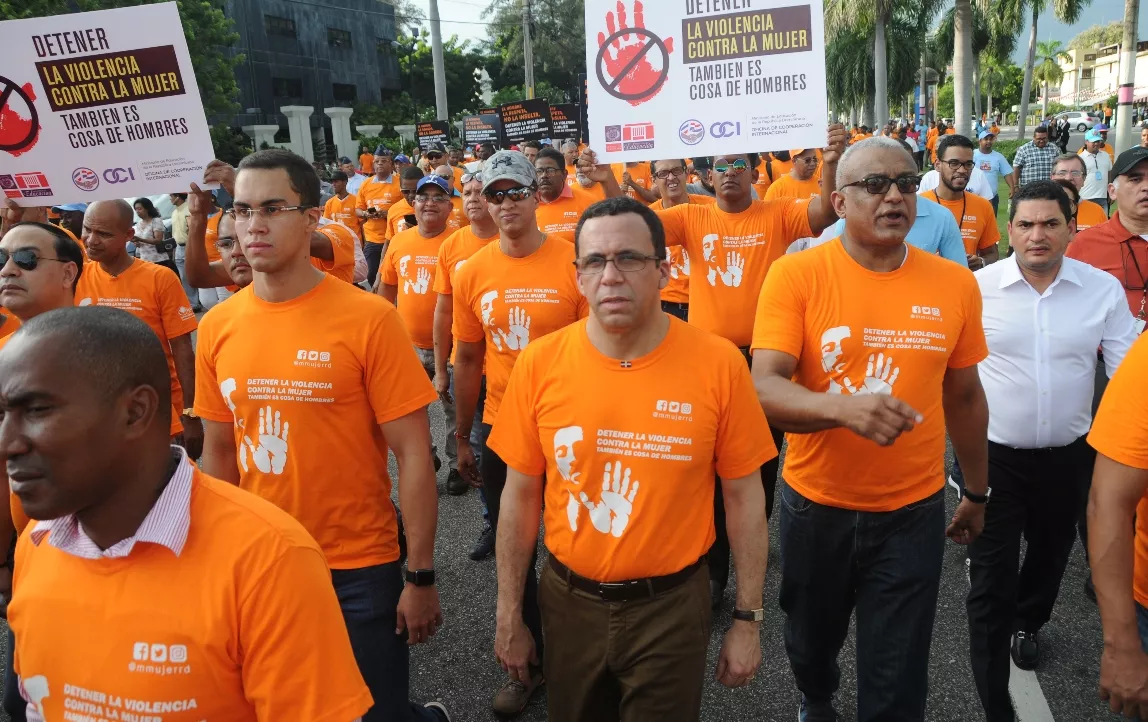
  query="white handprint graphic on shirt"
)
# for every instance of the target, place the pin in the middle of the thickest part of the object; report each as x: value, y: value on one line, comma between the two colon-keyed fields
x: 35, y: 689
x: 681, y: 270
x: 879, y: 375
x: 519, y: 334
x: 270, y: 456
x: 564, y: 459
x: 227, y: 388
x: 732, y: 274
x: 612, y: 514
x: 421, y: 282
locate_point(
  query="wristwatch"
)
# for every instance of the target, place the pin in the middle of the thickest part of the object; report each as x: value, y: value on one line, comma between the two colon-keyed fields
x: 749, y: 615
x: 978, y: 498
x: 420, y: 577
x: 190, y: 413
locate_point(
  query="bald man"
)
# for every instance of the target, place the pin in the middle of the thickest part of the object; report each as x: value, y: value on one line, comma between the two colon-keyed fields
x: 154, y: 294
x: 85, y: 437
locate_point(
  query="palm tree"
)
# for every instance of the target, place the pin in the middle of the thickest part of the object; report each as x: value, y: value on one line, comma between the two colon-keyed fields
x: 1047, y: 70
x: 993, y: 78
x: 1123, y: 116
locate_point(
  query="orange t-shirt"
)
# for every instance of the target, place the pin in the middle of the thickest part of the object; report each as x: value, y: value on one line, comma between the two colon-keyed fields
x: 154, y: 295
x: 453, y: 253
x: 510, y: 302
x: 410, y: 264
x: 789, y: 187
x: 639, y: 172
x: 242, y: 625
x: 978, y: 226
x: 343, y: 241
x: 342, y: 210
x: 396, y: 217
x: 210, y: 236
x: 1089, y: 214
x: 458, y: 217
x: 854, y: 331
x: 10, y: 324
x: 559, y: 219
x: 332, y: 364
x: 1120, y: 432
x: 381, y: 195
x: 678, y: 289
x: 559, y: 419
x: 16, y: 509
x: 730, y: 253
x: 367, y: 164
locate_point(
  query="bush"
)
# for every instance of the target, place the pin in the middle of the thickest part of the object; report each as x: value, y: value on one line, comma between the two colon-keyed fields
x: 229, y: 145
x: 1008, y: 148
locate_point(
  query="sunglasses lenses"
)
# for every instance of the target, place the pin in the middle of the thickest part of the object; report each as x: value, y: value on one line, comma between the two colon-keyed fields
x: 514, y: 194
x: 723, y: 167
x: 878, y: 185
x: 25, y: 258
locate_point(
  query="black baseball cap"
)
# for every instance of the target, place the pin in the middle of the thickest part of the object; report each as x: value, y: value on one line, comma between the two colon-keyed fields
x: 1126, y: 160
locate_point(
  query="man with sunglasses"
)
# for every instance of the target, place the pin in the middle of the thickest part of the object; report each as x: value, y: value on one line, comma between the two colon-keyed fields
x: 559, y: 205
x: 304, y: 383
x: 670, y: 179
x: 973, y: 213
x: 622, y: 597
x: 506, y: 296
x: 801, y: 181
x: 376, y: 196
x: 457, y: 218
x: 859, y: 343
x: 152, y: 294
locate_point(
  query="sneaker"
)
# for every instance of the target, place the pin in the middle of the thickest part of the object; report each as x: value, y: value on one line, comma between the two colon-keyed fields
x: 455, y: 484
x: 439, y: 710
x: 514, y: 695
x: 1025, y: 650
x: 816, y: 711
x: 484, y: 547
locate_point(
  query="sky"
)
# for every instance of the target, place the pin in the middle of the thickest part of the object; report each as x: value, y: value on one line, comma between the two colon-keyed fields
x: 459, y: 17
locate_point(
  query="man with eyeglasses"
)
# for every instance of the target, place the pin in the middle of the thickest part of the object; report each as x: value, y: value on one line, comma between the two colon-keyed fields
x: 152, y: 294
x: 452, y: 255
x: 376, y: 196
x: 801, y: 182
x: 670, y: 180
x: 993, y: 165
x: 304, y: 382
x: 507, y: 295
x: 559, y: 205
x: 859, y: 343
x: 732, y: 244
x: 974, y: 215
x: 1033, y: 160
x: 1070, y: 167
x: 621, y: 599
x: 457, y: 218
x: 407, y: 279
x: 1098, y: 165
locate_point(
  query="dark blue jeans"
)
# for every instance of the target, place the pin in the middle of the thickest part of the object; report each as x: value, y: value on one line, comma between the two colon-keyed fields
x: 887, y: 565
x: 477, y: 440
x: 368, y: 598
x: 1142, y: 625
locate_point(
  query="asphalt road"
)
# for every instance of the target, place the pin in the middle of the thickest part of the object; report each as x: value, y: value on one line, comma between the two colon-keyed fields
x: 459, y: 669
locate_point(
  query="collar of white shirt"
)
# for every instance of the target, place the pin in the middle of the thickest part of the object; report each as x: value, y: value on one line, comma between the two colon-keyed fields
x: 1010, y: 273
x: 166, y: 524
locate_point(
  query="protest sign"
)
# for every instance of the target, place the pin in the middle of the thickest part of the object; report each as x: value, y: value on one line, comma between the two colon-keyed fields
x: 524, y: 120
x: 482, y: 128
x: 432, y: 132
x: 96, y: 109
x: 565, y: 121
x: 704, y: 77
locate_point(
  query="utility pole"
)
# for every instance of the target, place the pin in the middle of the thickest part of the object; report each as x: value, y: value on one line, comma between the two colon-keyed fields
x: 528, y: 48
x: 439, y: 67
x: 1127, y: 75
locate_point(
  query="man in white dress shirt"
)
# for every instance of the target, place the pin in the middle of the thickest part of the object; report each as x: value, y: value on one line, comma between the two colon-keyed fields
x: 1044, y: 317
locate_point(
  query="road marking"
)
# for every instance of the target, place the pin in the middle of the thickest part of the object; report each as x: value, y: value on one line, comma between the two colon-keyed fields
x: 1027, y: 698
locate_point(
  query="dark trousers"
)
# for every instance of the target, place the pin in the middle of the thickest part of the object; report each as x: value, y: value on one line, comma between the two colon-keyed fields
x: 14, y: 704
x: 369, y: 598
x: 493, y: 470
x: 679, y: 310
x: 373, y: 252
x: 996, y: 203
x: 1142, y: 625
x: 887, y: 565
x: 625, y: 661
x: 1037, y: 493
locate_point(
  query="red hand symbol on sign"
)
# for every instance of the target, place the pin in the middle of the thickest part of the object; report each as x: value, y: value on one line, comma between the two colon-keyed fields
x: 629, y: 56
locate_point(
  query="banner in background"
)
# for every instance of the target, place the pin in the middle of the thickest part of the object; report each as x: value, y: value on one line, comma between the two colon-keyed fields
x: 524, y: 120
x: 482, y: 128
x: 431, y: 132
x: 702, y: 77
x: 565, y: 119
x: 94, y: 109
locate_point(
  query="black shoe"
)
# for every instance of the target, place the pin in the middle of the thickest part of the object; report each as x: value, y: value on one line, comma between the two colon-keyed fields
x: 484, y: 547
x: 1025, y: 650
x: 455, y: 484
x: 434, y: 455
x: 1090, y: 589
x: 717, y: 593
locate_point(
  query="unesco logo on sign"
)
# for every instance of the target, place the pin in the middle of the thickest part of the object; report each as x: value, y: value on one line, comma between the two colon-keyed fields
x: 692, y: 132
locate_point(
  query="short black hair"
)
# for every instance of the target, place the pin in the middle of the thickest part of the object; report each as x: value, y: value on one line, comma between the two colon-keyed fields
x: 411, y: 172
x: 338, y: 176
x: 1041, y: 190
x: 781, y: 155
x: 1041, y: 129
x: 552, y: 154
x: 1070, y: 188
x: 621, y: 205
x: 148, y: 206
x: 98, y: 340
x: 532, y: 144
x: 64, y: 246
x: 181, y: 196
x: 302, y: 176
x: 654, y: 163
x: 956, y: 140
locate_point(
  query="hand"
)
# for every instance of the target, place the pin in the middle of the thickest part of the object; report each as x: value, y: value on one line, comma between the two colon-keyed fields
x: 588, y: 167
x: 878, y: 417
x: 514, y: 648
x: 418, y: 613
x: 968, y: 522
x: 740, y: 655
x: 711, y: 276
x: 422, y: 281
x: 640, y: 75
x: 733, y: 269
x: 467, y: 464
x: 613, y: 513
x: 192, y: 436
x: 519, y: 335
x: 222, y: 173
x: 573, y: 507
x: 199, y: 202
x: 1124, y: 680
x: 627, y: 179
x: 441, y: 384
x: 835, y: 146
x: 270, y: 456
x: 13, y: 213
x: 879, y: 375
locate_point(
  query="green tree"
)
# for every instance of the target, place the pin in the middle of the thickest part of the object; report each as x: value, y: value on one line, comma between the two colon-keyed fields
x: 462, y: 64
x: 993, y: 76
x: 1047, y: 71
x: 1109, y: 34
x: 543, y: 90
x: 558, y: 34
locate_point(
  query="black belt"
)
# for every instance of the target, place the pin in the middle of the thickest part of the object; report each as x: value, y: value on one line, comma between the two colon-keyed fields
x: 675, y: 304
x: 1043, y: 450
x: 626, y: 591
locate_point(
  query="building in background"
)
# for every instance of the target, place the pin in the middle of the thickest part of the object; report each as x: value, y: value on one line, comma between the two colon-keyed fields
x: 1093, y: 74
